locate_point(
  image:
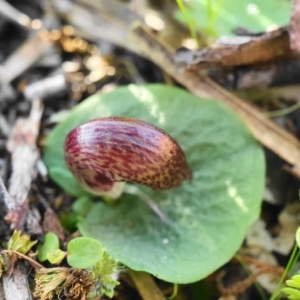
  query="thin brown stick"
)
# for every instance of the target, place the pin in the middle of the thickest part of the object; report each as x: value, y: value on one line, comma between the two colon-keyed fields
x: 261, y: 264
x: 265, y: 131
x: 32, y: 262
x: 242, y: 285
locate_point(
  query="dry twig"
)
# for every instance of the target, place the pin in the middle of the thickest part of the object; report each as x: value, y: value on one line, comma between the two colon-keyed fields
x: 9, y: 11
x: 243, y: 285
x: 22, y: 145
x: 1, y: 291
x: 265, y: 131
x: 16, y: 285
x: 24, y: 56
x: 240, y: 50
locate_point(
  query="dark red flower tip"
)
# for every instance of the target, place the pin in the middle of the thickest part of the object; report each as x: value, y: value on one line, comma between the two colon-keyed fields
x: 107, y: 150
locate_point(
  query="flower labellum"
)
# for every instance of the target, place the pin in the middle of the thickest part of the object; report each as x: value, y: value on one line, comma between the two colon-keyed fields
x: 104, y: 151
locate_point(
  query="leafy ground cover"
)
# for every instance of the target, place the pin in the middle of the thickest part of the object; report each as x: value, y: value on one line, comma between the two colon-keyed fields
x: 226, y: 233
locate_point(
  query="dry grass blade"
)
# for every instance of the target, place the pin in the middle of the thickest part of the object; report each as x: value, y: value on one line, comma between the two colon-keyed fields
x: 13, y: 14
x: 146, y: 286
x: 265, y: 131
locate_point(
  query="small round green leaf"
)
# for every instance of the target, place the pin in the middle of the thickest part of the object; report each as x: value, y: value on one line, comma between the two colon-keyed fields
x: 84, y: 252
x: 207, y: 217
x: 50, y: 244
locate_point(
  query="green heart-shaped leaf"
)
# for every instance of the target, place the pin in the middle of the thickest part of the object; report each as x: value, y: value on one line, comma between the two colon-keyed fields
x: 84, y: 252
x: 207, y: 216
x: 50, y: 244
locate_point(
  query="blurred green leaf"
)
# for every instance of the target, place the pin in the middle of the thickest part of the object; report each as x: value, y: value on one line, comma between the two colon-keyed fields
x: 56, y: 256
x: 220, y: 17
x: 298, y: 237
x: 84, y: 252
x: 50, y: 244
